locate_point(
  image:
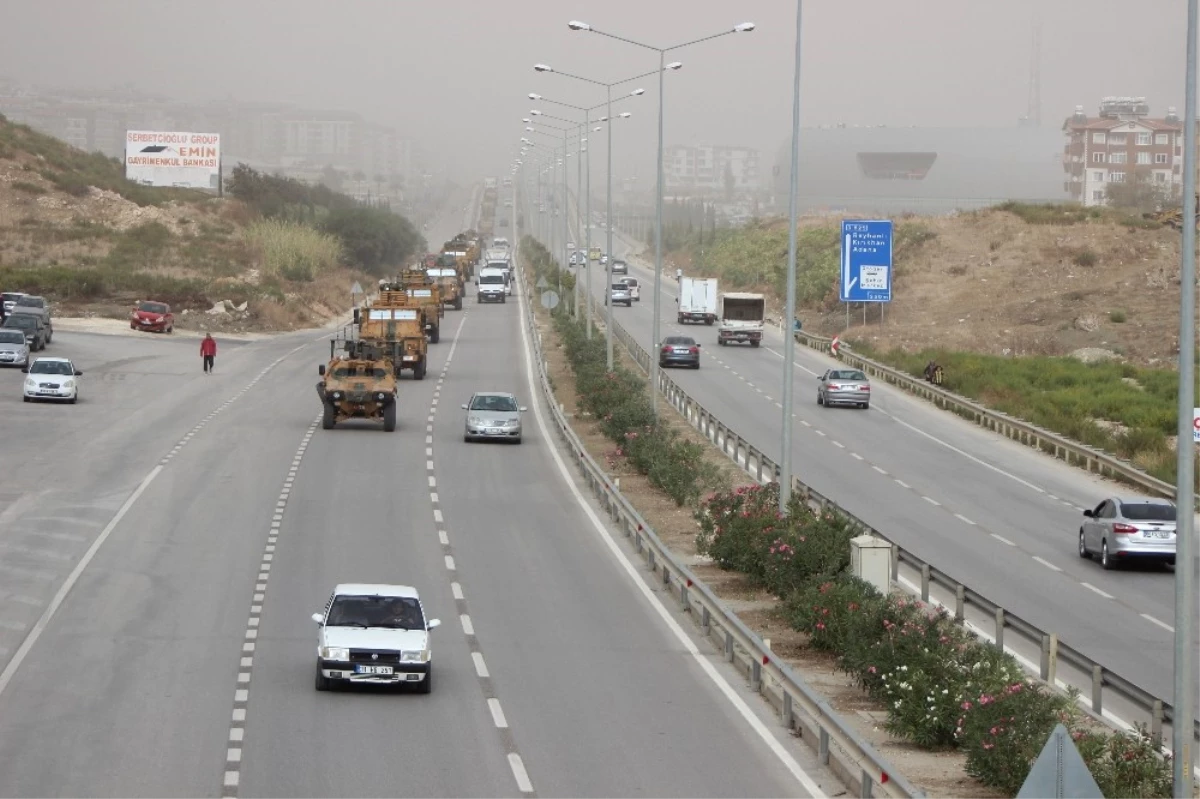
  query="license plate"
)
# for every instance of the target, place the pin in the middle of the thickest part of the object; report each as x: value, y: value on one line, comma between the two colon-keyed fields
x: 359, y: 669
x: 1156, y: 534
x: 679, y: 351
x: 47, y: 393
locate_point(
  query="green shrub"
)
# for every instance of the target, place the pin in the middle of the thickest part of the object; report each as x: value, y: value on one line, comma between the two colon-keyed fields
x: 1117, y: 317
x: 1051, y: 213
x: 1085, y: 257
x: 27, y: 187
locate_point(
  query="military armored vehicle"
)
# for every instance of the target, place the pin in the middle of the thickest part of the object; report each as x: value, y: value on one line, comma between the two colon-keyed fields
x: 359, y: 382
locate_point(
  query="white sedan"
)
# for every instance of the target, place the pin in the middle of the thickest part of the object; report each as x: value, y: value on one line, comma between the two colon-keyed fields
x: 375, y: 634
x: 51, y: 379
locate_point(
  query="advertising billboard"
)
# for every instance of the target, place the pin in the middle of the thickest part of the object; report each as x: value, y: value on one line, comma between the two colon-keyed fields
x: 182, y: 160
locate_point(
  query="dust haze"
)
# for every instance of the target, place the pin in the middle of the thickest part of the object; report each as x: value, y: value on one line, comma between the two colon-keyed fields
x: 453, y: 77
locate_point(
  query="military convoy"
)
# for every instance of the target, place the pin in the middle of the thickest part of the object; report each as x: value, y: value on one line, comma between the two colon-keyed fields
x: 357, y: 383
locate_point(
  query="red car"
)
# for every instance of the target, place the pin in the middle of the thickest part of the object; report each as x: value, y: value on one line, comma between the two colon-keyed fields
x: 155, y: 317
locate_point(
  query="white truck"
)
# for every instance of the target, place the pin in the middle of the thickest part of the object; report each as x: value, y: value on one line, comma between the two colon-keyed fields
x: 742, y: 318
x: 697, y: 300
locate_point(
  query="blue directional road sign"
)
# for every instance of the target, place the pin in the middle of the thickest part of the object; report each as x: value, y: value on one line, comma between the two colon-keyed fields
x: 866, y: 261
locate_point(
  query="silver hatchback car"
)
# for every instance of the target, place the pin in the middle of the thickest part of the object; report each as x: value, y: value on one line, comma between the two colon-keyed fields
x: 493, y: 415
x: 844, y: 387
x: 1124, y: 529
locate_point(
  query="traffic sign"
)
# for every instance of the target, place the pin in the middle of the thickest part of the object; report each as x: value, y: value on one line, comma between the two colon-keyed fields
x: 1196, y: 425
x: 550, y: 299
x: 866, y: 261
x: 1060, y: 772
x: 355, y: 289
x: 543, y: 283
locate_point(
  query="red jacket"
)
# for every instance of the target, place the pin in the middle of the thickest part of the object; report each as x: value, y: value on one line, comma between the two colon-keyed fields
x: 208, y: 346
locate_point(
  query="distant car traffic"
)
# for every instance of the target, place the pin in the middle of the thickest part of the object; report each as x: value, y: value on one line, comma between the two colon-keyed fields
x: 14, y: 349
x: 51, y: 379
x: 493, y: 415
x: 619, y: 294
x: 1125, y: 529
x: 375, y: 634
x: 844, y: 387
x: 619, y: 267
x: 154, y: 317
x: 679, y: 351
x: 37, y: 335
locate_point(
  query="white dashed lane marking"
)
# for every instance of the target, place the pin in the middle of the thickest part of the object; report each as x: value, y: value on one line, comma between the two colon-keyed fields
x: 1093, y: 588
x: 1046, y: 563
x: 241, y: 694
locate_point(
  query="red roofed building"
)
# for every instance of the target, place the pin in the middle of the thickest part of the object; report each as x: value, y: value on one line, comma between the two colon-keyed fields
x: 1122, y: 144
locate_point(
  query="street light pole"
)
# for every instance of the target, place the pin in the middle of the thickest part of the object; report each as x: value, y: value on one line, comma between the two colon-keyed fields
x: 607, y: 288
x: 789, y: 340
x: 1185, y: 502
x: 588, y: 245
x: 578, y: 207
x: 657, y: 339
x: 566, y: 208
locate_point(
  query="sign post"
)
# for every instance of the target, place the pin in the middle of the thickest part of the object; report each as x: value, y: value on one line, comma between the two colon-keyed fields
x: 866, y: 263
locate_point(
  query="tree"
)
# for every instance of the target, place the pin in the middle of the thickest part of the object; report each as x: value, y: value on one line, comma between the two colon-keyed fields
x: 1139, y: 192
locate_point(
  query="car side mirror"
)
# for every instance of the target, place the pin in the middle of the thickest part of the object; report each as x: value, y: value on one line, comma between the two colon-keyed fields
x: 318, y: 618
x: 321, y: 369
x: 433, y: 623
x: 523, y: 409
x: 25, y: 369
x: 78, y: 373
x: 464, y: 407
x: 1088, y: 513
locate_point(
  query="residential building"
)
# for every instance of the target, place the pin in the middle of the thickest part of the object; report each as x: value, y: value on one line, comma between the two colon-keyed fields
x: 709, y: 169
x: 1122, y: 144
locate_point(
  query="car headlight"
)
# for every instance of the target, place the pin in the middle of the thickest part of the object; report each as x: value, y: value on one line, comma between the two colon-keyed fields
x: 511, y: 423
x: 335, y: 653
x: 30, y: 383
x: 337, y: 395
x: 380, y: 396
x: 474, y: 420
x: 416, y: 656
x: 69, y: 384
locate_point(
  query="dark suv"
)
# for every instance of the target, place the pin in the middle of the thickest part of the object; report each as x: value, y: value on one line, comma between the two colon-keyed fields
x: 37, y: 335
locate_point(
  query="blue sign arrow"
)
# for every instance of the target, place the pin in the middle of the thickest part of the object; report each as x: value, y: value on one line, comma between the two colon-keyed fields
x: 866, y: 262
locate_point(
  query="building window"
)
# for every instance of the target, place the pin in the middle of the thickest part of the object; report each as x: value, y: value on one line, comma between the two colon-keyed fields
x: 1118, y: 158
x: 1143, y: 158
x: 1116, y: 138
x: 1098, y: 196
x: 1098, y: 177
x: 1098, y: 137
x: 1160, y: 158
x: 1160, y: 177
x: 1143, y: 139
x: 1098, y: 158
x: 1116, y: 177
x: 1161, y: 138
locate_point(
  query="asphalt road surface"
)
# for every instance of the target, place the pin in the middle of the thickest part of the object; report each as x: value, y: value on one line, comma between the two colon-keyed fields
x: 174, y: 532
x: 992, y: 513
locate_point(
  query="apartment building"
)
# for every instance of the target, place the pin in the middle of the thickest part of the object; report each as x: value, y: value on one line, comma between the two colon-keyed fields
x: 707, y: 168
x: 1122, y: 144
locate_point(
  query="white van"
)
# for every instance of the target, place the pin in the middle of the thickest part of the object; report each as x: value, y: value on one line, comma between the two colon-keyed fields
x: 491, y: 285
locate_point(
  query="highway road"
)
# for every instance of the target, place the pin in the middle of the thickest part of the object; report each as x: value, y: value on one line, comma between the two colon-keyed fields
x: 992, y: 513
x: 173, y: 533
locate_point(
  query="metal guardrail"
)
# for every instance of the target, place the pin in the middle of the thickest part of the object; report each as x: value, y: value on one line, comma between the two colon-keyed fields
x: 1155, y: 710
x: 802, y: 710
x: 1093, y: 460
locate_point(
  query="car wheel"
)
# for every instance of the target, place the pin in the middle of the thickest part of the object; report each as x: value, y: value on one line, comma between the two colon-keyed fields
x: 696, y: 365
x: 1105, y: 561
x: 170, y: 329
x: 426, y: 685
x: 389, y: 418
x: 517, y: 440
x: 1083, y: 553
x: 466, y: 438
x: 322, y: 682
x: 27, y: 399
x: 820, y: 399
x: 329, y: 419
x: 865, y: 405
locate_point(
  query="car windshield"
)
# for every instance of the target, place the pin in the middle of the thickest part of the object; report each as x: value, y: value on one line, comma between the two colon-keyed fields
x: 620, y: 287
x: 680, y: 341
x: 847, y: 374
x: 21, y: 320
x: 12, y: 337
x: 51, y: 368
x: 394, y: 612
x: 342, y: 372
x: 489, y: 280
x: 493, y: 402
x: 30, y: 302
x: 1148, y: 512
x: 153, y: 307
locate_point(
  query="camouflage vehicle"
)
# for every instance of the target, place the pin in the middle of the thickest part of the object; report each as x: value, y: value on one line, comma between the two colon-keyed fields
x: 358, y: 383
x: 449, y: 283
x: 419, y: 290
x: 397, y: 329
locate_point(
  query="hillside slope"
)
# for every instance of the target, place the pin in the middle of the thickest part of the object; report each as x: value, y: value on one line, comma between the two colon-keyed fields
x: 72, y: 228
x: 1013, y: 280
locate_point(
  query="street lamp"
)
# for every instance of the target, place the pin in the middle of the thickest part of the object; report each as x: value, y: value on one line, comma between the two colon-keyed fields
x: 789, y: 339
x: 576, y: 25
x: 587, y: 213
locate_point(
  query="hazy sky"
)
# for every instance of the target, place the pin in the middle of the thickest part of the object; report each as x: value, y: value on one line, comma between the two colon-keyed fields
x: 454, y: 74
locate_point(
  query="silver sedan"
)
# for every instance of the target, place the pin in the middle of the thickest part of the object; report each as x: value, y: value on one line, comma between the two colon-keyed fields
x: 844, y: 387
x: 493, y: 415
x: 1125, y: 529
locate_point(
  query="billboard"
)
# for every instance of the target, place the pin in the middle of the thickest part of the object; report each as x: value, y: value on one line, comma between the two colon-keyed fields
x: 184, y: 160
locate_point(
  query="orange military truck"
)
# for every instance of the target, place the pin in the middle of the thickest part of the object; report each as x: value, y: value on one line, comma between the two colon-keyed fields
x: 425, y: 292
x: 396, y: 327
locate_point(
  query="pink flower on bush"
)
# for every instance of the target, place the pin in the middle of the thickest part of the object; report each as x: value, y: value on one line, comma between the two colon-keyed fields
x: 966, y: 705
x: 872, y: 670
x: 820, y: 625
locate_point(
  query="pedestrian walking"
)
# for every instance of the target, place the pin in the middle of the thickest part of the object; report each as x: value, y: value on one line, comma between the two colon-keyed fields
x: 208, y: 352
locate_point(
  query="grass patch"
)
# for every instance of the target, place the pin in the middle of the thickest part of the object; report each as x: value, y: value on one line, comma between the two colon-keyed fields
x: 1124, y: 409
x: 1052, y: 213
x: 1085, y: 257
x: 293, y: 251
x: 1118, y: 317
x: 27, y: 187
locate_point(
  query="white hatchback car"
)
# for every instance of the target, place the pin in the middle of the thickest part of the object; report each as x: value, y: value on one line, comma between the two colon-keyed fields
x: 51, y: 379
x: 375, y: 634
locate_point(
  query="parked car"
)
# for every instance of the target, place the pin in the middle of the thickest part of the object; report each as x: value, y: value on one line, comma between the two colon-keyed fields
x: 374, y: 634
x: 635, y: 288
x: 155, y: 317
x: 36, y: 334
x: 51, y: 379
x: 844, y: 387
x: 14, y: 349
x: 619, y: 295
x: 493, y: 415
x: 619, y: 267
x: 679, y: 351
x: 1124, y: 529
